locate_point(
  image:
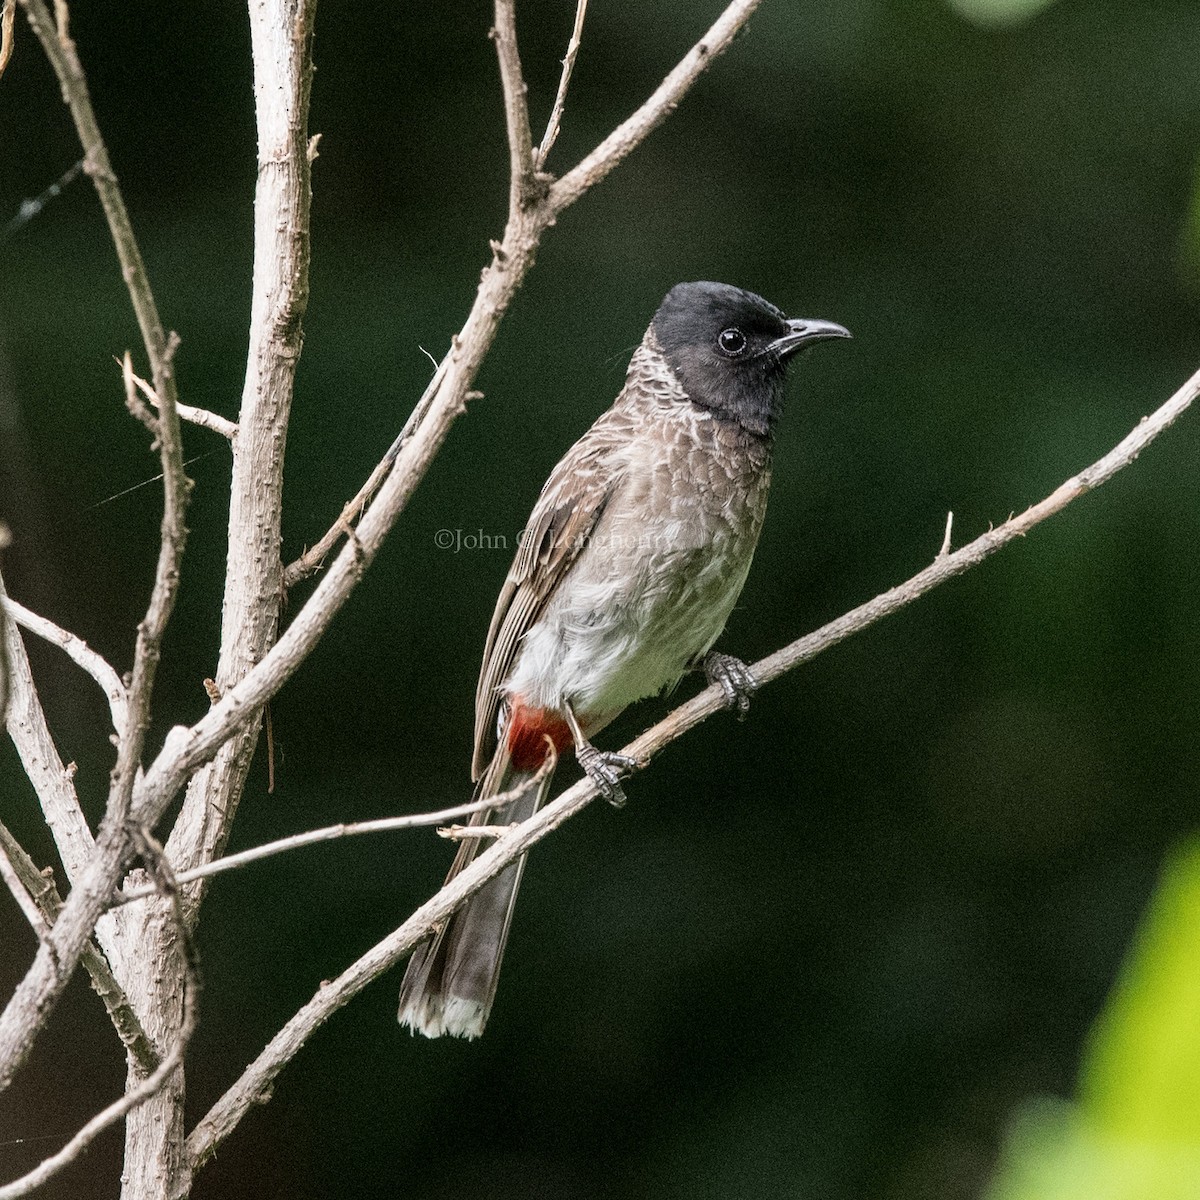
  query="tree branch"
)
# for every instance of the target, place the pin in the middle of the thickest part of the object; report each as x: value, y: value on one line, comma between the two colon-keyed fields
x: 256, y: 1080
x: 632, y: 132
x: 6, y: 32
x: 522, y: 183
x: 79, y: 652
x: 445, y: 399
x: 281, y: 41
x: 560, y: 99
x: 134, y: 1096
x: 52, y: 781
x: 37, y: 888
x: 22, y: 886
x: 35, y: 996
x: 55, y: 789
x: 187, y: 412
x: 331, y: 833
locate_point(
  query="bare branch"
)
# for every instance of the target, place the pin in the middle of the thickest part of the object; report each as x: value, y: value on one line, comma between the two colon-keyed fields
x: 331, y: 833
x: 460, y: 833
x: 311, y: 560
x: 34, y: 998
x: 21, y: 887
x: 135, y: 1096
x: 133, y: 402
x: 52, y: 780
x: 60, y: 50
x: 560, y: 99
x: 54, y: 36
x: 187, y: 412
x: 522, y: 185
x: 256, y: 1080
x: 281, y: 34
x: 53, y: 783
x: 79, y: 652
x: 37, y: 888
x: 6, y: 32
x: 633, y: 131
x: 444, y: 400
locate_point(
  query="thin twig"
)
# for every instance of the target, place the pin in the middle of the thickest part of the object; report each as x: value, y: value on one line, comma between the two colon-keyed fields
x: 134, y: 402
x: 187, y: 412
x: 632, y: 132
x: 79, y: 652
x: 560, y: 99
x: 56, y: 42
x: 946, y: 538
x: 17, y: 886
x: 459, y: 833
x: 53, y: 781
x: 39, y: 890
x: 256, y: 1080
x: 331, y: 833
x: 311, y: 560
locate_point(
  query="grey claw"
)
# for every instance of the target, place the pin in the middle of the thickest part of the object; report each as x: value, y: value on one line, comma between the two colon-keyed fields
x: 733, y: 677
x: 604, y: 769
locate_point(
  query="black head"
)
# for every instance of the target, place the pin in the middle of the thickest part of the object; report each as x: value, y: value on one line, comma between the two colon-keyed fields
x: 729, y: 349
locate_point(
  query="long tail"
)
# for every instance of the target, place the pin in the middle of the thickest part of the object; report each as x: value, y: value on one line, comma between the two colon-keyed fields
x: 451, y: 980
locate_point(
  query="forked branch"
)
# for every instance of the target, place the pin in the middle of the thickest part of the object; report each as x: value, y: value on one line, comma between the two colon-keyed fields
x: 445, y: 398
x: 560, y: 98
x: 56, y: 958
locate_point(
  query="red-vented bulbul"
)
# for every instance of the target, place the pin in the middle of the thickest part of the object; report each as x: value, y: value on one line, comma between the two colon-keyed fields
x: 634, y: 556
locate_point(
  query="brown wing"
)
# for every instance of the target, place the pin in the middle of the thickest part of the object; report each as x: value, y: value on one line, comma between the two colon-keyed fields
x: 571, y: 503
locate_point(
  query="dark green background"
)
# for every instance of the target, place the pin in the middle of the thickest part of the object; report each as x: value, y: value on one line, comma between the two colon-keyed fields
x: 822, y: 954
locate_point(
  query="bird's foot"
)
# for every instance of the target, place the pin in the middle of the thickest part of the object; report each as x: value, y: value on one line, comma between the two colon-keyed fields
x: 733, y: 677
x: 604, y: 768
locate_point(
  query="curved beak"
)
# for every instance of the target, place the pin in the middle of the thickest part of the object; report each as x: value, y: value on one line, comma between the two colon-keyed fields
x: 803, y: 331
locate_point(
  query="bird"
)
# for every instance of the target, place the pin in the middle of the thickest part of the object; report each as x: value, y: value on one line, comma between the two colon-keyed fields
x: 624, y: 576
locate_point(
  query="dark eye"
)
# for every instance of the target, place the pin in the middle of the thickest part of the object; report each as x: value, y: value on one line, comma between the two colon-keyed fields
x: 731, y: 342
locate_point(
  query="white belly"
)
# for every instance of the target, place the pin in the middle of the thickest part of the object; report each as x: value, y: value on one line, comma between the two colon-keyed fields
x: 634, y: 614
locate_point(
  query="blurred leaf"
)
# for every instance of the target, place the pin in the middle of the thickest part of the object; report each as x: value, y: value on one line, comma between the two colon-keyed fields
x: 998, y: 12
x: 1141, y: 1077
x: 1135, y: 1132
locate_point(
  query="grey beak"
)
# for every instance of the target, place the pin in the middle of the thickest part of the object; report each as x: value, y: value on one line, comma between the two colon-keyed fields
x: 802, y: 331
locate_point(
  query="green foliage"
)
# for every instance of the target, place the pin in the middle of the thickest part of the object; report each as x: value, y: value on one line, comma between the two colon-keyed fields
x: 1134, y: 1133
